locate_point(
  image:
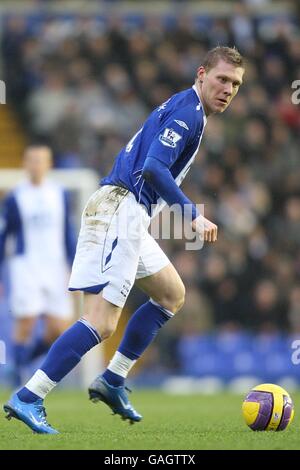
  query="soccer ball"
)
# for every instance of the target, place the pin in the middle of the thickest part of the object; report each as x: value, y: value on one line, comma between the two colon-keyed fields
x: 268, y: 407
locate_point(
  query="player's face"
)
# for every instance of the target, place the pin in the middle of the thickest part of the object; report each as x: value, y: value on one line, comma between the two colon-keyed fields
x: 219, y: 85
x: 37, y: 163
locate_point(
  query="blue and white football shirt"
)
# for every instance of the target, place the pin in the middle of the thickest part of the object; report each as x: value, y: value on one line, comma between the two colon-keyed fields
x: 172, y: 134
x: 37, y: 219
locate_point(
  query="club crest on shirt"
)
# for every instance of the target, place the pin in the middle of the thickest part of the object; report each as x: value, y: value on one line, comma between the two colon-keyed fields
x: 169, y: 138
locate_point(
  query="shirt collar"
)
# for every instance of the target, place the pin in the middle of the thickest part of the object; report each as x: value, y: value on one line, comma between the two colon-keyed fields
x: 204, y: 115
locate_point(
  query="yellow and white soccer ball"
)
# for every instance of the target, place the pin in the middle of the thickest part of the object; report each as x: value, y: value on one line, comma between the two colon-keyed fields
x: 268, y: 407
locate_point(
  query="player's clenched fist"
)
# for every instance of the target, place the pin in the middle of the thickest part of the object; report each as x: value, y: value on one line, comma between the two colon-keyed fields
x: 205, y: 228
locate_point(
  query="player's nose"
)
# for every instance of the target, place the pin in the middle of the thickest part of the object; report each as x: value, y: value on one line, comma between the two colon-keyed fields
x: 228, y: 89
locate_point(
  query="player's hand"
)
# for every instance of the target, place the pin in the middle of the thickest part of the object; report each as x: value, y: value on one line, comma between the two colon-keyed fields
x: 205, y: 228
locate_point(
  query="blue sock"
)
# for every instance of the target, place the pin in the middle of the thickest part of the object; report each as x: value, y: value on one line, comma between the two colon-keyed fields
x: 38, y: 348
x: 21, y: 354
x: 20, y: 358
x: 65, y: 353
x: 27, y: 396
x: 113, y: 379
x: 141, y: 330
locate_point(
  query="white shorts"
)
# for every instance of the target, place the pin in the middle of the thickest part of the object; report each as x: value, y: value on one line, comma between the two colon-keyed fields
x: 37, y: 289
x: 114, y: 247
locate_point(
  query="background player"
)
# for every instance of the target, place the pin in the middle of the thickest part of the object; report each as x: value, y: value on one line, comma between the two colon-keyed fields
x: 146, y: 172
x: 36, y: 216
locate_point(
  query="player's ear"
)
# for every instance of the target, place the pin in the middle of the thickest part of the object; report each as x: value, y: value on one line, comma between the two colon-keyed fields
x: 201, y: 73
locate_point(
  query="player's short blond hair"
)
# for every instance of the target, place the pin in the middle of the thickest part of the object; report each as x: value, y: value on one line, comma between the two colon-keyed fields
x: 229, y: 54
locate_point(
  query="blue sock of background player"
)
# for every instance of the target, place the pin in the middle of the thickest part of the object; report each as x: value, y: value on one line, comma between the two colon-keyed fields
x: 20, y: 360
x: 24, y: 354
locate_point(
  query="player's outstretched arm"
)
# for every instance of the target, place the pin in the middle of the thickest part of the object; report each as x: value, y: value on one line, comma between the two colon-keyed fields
x: 159, y: 176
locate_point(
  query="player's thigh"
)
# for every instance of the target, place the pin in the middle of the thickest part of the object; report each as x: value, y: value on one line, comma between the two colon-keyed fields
x: 164, y: 287
x: 158, y: 278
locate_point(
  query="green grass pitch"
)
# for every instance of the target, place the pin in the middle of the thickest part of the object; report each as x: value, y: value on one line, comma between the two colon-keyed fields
x: 170, y: 422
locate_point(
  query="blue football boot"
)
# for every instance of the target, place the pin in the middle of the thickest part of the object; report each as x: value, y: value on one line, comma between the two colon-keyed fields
x: 32, y: 414
x: 115, y: 397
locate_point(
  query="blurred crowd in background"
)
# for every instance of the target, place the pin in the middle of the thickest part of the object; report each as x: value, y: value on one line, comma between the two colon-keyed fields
x: 85, y: 84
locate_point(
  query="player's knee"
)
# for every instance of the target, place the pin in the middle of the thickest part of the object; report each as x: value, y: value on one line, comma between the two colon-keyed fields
x: 104, y: 325
x: 102, y: 315
x: 180, y: 298
x: 106, y: 332
x: 174, y: 299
